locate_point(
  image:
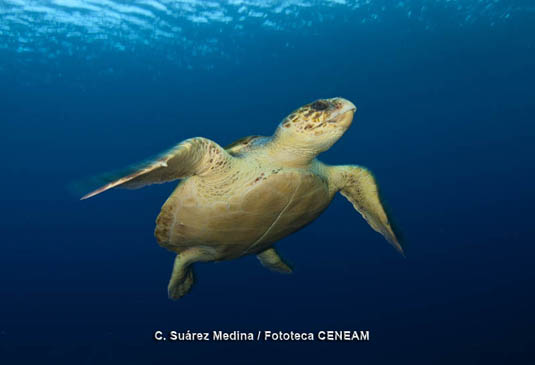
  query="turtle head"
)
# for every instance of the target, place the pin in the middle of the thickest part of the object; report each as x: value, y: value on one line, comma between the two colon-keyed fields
x: 318, y: 125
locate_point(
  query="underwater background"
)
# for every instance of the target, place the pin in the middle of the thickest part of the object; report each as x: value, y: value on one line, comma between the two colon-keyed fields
x: 446, y: 103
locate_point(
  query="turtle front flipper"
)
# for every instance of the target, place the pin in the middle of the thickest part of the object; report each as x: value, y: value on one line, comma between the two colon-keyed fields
x: 242, y: 144
x: 359, y: 187
x: 194, y: 156
x: 271, y: 259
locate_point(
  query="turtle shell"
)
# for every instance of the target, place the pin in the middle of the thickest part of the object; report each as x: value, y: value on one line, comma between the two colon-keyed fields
x: 256, y: 213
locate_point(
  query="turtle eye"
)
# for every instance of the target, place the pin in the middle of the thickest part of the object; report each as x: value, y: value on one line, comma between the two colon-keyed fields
x: 319, y: 105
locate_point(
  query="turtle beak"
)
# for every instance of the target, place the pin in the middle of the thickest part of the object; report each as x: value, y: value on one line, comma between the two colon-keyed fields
x: 343, y: 113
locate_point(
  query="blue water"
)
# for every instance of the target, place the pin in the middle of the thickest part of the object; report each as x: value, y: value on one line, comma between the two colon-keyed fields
x: 446, y: 104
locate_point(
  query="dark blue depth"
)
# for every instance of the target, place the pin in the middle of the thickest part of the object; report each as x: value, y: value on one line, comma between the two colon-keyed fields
x: 445, y: 122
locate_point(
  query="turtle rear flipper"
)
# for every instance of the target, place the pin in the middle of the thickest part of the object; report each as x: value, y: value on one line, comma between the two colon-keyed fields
x: 271, y: 259
x: 180, y: 283
x: 182, y: 277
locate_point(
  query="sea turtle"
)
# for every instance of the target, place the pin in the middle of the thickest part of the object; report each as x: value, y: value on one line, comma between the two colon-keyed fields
x: 241, y: 199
